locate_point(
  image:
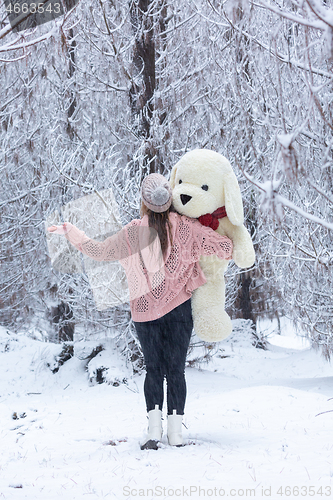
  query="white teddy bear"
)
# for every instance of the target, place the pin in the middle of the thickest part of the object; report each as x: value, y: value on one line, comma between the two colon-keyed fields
x: 203, y: 182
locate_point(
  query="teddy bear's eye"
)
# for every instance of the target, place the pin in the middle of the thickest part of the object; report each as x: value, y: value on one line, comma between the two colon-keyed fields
x: 204, y: 187
x: 180, y: 181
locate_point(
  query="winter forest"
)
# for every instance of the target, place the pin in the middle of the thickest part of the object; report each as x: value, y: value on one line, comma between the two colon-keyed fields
x: 114, y: 90
x: 111, y: 92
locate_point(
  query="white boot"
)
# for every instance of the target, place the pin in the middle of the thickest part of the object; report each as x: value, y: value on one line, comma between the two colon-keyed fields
x: 154, y: 430
x: 175, y: 437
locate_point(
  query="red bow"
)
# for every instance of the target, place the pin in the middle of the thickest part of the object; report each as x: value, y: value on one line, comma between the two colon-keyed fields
x: 212, y: 220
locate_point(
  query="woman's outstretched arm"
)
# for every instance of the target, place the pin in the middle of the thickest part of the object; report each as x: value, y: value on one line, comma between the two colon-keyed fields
x: 115, y: 247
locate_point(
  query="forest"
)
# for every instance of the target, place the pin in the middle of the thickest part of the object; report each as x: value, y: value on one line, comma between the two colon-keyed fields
x: 110, y: 91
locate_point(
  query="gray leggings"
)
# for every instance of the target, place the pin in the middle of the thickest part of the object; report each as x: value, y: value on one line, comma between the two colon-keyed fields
x: 164, y: 342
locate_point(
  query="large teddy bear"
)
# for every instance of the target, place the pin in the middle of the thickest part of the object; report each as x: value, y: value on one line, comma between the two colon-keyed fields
x: 203, y: 182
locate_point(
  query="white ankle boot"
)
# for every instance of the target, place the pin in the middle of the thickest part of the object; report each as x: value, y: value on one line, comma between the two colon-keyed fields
x: 175, y: 436
x: 154, y: 430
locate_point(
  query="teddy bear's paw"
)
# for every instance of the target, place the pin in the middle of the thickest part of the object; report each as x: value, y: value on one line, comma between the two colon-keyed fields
x: 244, y: 258
x: 212, y: 324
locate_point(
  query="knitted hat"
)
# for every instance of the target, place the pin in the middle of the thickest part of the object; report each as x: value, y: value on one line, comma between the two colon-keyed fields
x: 156, y: 193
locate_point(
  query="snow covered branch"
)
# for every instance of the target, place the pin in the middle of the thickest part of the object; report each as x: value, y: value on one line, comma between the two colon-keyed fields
x: 15, y: 46
x: 273, y: 202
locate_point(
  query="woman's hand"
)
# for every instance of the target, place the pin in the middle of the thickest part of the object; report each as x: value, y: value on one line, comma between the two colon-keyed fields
x: 59, y: 229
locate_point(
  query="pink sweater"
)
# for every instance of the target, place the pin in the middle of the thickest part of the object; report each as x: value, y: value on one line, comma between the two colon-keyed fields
x: 156, y: 287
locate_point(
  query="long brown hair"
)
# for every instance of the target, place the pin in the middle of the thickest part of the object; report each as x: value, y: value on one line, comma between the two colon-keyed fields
x: 159, y: 221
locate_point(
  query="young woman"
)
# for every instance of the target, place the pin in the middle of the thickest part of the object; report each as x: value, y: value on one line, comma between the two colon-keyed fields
x: 160, y: 253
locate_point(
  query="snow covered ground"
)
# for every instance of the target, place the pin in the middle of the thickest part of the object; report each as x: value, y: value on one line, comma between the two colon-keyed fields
x: 259, y: 425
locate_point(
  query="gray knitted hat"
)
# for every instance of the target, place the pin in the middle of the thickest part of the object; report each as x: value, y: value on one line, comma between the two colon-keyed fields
x: 156, y: 193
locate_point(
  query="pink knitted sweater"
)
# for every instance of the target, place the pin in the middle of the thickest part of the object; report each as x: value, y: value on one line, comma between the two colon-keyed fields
x: 156, y: 287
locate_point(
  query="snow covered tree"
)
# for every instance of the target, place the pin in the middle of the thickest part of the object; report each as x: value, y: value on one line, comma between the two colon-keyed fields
x: 126, y: 88
x: 289, y: 105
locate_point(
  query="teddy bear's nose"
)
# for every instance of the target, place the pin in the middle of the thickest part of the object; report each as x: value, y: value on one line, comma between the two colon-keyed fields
x: 185, y: 198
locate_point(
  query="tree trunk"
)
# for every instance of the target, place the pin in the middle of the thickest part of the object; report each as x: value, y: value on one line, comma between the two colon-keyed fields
x: 245, y: 303
x: 71, y: 70
x: 144, y: 79
x: 242, y: 58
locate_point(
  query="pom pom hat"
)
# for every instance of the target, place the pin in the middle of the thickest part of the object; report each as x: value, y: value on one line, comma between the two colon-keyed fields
x: 156, y: 193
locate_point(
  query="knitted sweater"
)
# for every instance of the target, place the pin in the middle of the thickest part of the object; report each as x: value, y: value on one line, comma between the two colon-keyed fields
x: 157, y: 284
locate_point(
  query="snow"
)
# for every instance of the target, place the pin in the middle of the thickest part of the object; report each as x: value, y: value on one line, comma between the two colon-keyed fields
x: 290, y: 338
x: 285, y: 140
x: 258, y: 422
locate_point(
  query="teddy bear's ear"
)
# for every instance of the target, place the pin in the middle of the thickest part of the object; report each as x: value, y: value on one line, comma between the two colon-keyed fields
x: 172, y: 180
x: 233, y: 200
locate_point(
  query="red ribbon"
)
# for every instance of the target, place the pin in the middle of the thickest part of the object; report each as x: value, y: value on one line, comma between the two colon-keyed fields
x: 212, y: 220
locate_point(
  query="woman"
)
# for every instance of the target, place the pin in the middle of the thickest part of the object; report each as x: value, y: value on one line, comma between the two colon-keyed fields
x: 160, y: 253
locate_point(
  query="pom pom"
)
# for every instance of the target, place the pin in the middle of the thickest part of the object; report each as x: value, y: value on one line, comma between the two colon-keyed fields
x: 160, y: 196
